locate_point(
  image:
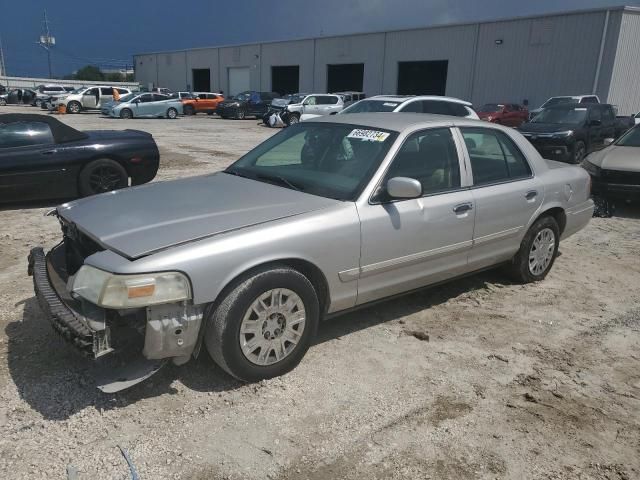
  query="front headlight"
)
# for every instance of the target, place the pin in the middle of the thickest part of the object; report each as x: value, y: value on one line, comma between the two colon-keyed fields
x: 130, y: 291
x: 593, y: 170
x: 565, y: 134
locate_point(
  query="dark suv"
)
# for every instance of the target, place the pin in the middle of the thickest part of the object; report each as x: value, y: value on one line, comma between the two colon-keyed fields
x: 246, y: 104
x: 569, y: 132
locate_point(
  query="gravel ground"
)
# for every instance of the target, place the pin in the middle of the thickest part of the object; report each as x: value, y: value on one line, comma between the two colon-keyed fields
x: 480, y: 378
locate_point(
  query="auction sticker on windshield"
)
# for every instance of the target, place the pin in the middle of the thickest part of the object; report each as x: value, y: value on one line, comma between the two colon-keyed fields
x: 368, y: 135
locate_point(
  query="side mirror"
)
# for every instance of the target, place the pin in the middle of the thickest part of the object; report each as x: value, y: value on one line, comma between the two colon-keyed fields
x: 608, y: 141
x: 595, y: 123
x: 403, y: 187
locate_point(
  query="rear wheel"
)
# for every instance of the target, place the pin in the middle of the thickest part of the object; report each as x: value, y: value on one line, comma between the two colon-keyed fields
x: 101, y: 176
x: 74, y: 107
x: 264, y: 325
x: 126, y: 113
x: 538, y: 251
x: 172, y: 113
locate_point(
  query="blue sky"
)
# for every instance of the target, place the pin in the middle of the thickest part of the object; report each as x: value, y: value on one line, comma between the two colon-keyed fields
x: 108, y: 33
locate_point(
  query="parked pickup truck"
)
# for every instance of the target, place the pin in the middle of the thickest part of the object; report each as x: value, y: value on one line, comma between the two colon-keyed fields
x: 569, y: 132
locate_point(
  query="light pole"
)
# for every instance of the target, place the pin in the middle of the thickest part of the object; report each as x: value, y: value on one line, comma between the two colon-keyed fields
x: 47, y: 41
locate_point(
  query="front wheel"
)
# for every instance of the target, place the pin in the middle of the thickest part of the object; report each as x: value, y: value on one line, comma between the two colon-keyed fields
x: 241, y: 114
x: 293, y: 119
x: 126, y: 114
x: 38, y: 103
x: 538, y: 251
x: 3, y: 102
x: 172, y: 113
x: 265, y: 324
x: 102, y: 176
x: 74, y: 107
x: 579, y: 152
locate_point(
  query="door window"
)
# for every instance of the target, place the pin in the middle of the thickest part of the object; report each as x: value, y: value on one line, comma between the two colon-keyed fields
x: 22, y: 134
x: 414, y: 107
x: 595, y: 114
x: 106, y: 91
x: 92, y: 91
x: 430, y: 157
x: 146, y: 98
x: 494, y: 156
x: 311, y: 101
x: 607, y: 114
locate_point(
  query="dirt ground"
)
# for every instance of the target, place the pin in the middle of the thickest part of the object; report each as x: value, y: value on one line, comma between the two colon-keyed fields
x: 480, y: 378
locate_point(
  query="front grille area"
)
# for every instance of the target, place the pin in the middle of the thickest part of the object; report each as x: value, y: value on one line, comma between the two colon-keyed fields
x: 620, y: 177
x: 78, y: 246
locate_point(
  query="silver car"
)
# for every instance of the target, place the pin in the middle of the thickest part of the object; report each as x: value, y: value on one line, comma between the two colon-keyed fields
x: 323, y: 217
x: 144, y: 105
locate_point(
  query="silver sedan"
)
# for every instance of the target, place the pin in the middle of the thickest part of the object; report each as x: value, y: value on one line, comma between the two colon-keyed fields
x: 323, y: 217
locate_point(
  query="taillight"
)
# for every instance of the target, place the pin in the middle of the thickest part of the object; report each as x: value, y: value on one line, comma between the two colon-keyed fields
x: 136, y: 160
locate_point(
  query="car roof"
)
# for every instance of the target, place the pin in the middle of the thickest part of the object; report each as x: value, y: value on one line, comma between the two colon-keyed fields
x: 405, y: 98
x: 396, y: 121
x: 61, y: 131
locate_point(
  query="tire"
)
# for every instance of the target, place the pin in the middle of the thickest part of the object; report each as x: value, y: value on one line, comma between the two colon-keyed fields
x: 172, y: 113
x: 225, y: 341
x: 74, y: 107
x: 189, y: 110
x: 543, y: 237
x: 293, y: 119
x: 241, y: 114
x: 3, y: 102
x: 579, y: 152
x: 37, y: 103
x: 126, y: 113
x: 101, y: 176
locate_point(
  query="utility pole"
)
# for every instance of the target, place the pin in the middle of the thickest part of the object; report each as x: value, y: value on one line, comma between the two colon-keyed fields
x: 3, y: 69
x: 47, y: 41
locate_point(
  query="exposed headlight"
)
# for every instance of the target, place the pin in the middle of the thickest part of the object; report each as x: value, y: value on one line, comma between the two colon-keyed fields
x: 565, y: 134
x: 593, y: 170
x: 129, y: 291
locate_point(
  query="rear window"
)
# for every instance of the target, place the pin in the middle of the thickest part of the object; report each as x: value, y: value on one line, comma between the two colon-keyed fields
x: 22, y: 134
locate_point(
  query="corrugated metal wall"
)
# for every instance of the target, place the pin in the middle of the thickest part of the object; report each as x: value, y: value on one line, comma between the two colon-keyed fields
x: 529, y: 58
x: 625, y: 81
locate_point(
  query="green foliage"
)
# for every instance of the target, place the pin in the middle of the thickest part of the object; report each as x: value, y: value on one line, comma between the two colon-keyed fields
x: 89, y: 72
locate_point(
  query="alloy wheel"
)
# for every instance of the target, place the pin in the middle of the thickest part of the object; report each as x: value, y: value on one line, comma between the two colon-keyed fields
x: 272, y: 326
x: 104, y: 179
x: 542, y: 250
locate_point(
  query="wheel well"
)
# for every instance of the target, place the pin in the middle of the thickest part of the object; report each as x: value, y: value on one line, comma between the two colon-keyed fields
x: 119, y: 161
x: 558, y: 215
x: 308, y: 269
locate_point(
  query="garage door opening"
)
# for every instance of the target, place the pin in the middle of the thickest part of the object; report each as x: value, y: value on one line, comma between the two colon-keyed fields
x: 422, y: 78
x: 201, y: 79
x: 239, y: 80
x: 285, y: 79
x: 345, y: 78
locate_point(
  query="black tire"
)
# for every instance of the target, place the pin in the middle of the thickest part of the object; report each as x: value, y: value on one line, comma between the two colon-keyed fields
x: 209, y: 113
x: 189, y: 110
x: 222, y: 334
x: 102, y: 175
x: 37, y: 103
x: 172, y: 113
x: 241, y: 114
x: 520, y: 268
x: 293, y: 119
x: 74, y: 107
x: 126, y: 113
x: 3, y: 102
x: 604, y: 207
x: 579, y: 152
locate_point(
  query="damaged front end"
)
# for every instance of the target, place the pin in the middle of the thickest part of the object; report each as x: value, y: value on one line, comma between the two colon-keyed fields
x: 154, y: 333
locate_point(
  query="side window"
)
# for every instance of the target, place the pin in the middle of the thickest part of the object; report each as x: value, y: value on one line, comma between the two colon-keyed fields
x: 158, y: 98
x: 414, y: 107
x: 122, y: 91
x: 435, y: 106
x: 106, y: 91
x: 589, y: 100
x: 91, y: 91
x: 595, y: 114
x: 146, y: 98
x: 494, y: 156
x: 312, y: 100
x: 458, y: 110
x: 607, y: 114
x: 430, y: 157
x: 330, y: 100
x: 23, y: 134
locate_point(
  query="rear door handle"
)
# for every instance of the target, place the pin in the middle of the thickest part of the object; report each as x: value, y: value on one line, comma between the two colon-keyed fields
x: 463, y: 207
x: 531, y: 195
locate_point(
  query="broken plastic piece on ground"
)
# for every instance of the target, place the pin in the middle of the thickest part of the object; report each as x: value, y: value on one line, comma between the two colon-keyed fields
x: 111, y: 380
x: 132, y: 468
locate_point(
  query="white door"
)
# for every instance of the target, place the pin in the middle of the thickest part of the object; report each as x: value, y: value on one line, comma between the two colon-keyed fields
x: 239, y: 80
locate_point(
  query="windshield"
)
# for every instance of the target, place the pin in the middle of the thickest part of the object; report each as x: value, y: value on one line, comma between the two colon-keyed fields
x: 365, y: 106
x: 630, y: 139
x: 128, y: 97
x: 561, y: 115
x: 558, y: 101
x: 491, y: 108
x: 241, y: 97
x: 329, y: 160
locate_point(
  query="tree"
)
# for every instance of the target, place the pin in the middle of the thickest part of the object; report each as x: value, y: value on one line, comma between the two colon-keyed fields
x: 89, y: 72
x: 114, y: 77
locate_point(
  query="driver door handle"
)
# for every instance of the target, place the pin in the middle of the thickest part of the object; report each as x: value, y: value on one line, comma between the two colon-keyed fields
x: 462, y: 208
x: 531, y: 195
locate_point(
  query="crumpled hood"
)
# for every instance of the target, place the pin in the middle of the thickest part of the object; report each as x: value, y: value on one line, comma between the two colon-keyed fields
x: 617, y: 158
x: 546, y: 127
x: 135, y: 222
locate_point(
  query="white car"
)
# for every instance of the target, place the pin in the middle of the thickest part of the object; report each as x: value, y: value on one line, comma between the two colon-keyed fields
x: 414, y: 104
x: 90, y: 98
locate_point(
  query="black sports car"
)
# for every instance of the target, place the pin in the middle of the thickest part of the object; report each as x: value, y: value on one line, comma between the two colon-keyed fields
x: 43, y: 158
